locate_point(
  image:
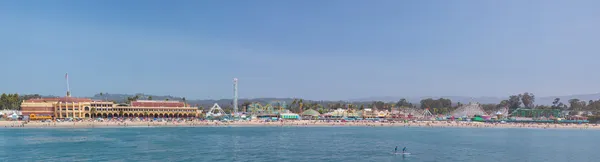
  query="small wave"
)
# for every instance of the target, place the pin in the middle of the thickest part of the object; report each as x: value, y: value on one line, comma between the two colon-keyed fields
x: 44, y: 140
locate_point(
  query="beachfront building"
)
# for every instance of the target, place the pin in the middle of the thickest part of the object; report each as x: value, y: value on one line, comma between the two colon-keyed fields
x: 536, y: 113
x: 55, y: 107
x: 289, y: 116
x: 383, y: 114
x: 146, y: 108
x: 70, y: 107
x: 368, y: 113
x: 310, y: 114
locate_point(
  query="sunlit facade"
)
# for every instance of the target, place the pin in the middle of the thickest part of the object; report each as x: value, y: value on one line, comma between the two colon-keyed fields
x: 69, y: 107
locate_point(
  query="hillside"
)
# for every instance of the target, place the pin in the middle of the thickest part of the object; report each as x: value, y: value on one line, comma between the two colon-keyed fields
x: 485, y: 100
x: 416, y: 100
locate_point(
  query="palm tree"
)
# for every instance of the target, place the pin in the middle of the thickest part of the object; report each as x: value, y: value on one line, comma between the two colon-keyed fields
x: 129, y: 99
x: 294, y: 104
x: 121, y: 113
x: 93, y: 111
x: 301, y: 105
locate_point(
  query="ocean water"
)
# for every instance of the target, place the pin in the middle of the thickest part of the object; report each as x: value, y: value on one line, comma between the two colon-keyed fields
x: 331, y: 144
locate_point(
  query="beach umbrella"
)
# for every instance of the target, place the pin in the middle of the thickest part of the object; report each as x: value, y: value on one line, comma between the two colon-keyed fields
x: 14, y: 116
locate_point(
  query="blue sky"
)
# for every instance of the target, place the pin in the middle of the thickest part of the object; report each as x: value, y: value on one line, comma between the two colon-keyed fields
x: 334, y: 49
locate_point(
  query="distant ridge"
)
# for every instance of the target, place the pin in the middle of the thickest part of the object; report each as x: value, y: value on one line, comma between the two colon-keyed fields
x: 454, y: 99
x: 484, y: 100
x: 415, y: 100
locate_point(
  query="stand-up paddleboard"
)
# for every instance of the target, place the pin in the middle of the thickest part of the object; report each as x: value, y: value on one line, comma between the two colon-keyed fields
x: 399, y: 153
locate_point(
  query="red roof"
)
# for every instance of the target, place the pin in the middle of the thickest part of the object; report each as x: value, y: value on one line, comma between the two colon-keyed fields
x: 150, y: 103
x: 60, y: 99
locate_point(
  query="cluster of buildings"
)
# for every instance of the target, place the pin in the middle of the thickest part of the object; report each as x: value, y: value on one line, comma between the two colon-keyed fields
x: 71, y: 107
x: 367, y: 113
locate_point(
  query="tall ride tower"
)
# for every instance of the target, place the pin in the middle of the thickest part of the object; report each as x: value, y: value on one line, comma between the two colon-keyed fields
x: 68, y: 88
x: 235, y: 97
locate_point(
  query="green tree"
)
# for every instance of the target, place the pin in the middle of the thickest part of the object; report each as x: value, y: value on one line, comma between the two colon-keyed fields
x: 246, y: 104
x: 593, y: 106
x: 293, y: 106
x: 489, y: 108
x: 149, y: 97
x: 10, y: 101
x: 577, y: 105
x: 336, y: 105
x: 16, y: 103
x: 4, y: 101
x: 504, y: 103
x: 528, y: 99
x: 378, y: 105
x: 404, y: 103
x: 300, y: 105
x: 130, y: 99
x: 444, y: 102
x: 558, y: 105
x: 514, y: 102
x: 321, y: 111
x: 93, y: 112
x: 439, y: 103
x: 314, y: 106
x: 543, y: 107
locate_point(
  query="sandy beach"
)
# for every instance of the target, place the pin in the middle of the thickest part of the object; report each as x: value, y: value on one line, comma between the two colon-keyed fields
x: 303, y: 123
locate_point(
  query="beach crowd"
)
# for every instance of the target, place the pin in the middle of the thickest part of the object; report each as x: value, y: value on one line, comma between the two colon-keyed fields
x: 194, y: 122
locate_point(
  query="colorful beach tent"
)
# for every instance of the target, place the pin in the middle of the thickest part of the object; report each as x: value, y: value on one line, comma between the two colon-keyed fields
x: 289, y: 116
x: 310, y: 112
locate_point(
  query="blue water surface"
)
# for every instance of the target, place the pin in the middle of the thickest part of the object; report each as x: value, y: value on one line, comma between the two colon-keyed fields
x: 331, y: 144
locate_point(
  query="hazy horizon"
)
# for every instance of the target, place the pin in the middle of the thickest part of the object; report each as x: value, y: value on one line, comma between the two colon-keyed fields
x: 329, y: 50
x: 485, y: 99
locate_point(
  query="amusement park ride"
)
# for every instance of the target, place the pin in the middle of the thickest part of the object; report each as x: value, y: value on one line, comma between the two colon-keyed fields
x: 471, y: 109
x: 427, y: 113
x: 272, y: 108
x: 215, y: 112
